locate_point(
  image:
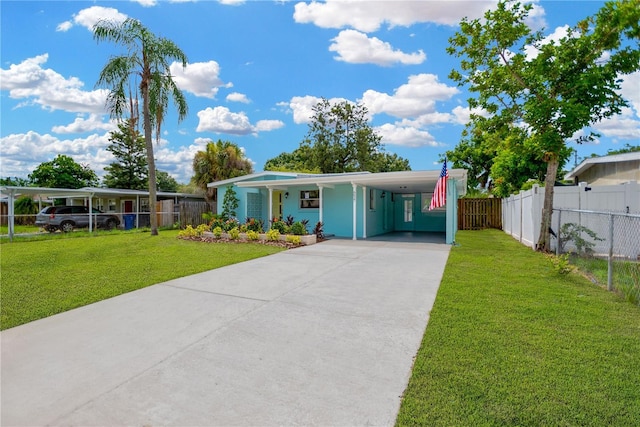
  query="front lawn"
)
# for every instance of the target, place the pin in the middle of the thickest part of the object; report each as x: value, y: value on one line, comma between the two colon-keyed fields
x: 512, y: 342
x: 42, y: 278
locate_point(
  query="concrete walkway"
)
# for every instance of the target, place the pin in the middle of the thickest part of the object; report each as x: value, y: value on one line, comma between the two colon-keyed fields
x: 320, y: 335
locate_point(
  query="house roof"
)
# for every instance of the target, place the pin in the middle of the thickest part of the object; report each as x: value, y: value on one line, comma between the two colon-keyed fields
x: 592, y: 161
x: 86, y: 192
x: 395, y: 182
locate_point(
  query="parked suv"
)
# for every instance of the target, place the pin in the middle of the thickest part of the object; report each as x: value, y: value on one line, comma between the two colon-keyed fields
x: 66, y: 218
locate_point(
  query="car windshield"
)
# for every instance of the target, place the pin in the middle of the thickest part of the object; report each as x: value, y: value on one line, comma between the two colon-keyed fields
x: 96, y: 210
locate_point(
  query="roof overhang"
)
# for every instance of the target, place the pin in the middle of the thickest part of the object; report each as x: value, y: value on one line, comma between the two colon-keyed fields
x: 395, y: 182
x: 56, y: 193
x: 592, y: 161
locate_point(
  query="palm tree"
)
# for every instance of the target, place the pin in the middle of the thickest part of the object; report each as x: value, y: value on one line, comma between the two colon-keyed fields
x: 147, y: 63
x: 220, y: 160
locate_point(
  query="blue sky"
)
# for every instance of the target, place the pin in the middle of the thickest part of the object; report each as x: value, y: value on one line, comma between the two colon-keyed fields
x: 255, y: 70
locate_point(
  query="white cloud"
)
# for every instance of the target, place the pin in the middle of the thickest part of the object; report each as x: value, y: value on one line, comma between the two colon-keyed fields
x: 22, y: 153
x: 531, y: 52
x: 232, y: 2
x: 64, y: 26
x: 146, y: 3
x: 356, y: 48
x: 368, y: 16
x: 623, y: 126
x: 25, y: 151
x: 222, y: 120
x: 45, y: 87
x: 90, y: 16
x: 83, y: 125
x: 268, y: 125
x: 415, y: 98
x: 407, y: 136
x: 238, y: 97
x: 462, y: 115
x: 630, y: 90
x: 536, y: 18
x: 199, y: 78
x: 302, y: 107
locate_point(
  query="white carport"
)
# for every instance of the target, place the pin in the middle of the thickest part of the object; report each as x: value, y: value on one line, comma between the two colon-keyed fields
x: 404, y: 182
x: 11, y: 192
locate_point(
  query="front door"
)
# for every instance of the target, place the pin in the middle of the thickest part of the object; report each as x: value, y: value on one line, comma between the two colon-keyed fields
x: 128, y: 206
x: 276, y: 210
x: 405, y: 212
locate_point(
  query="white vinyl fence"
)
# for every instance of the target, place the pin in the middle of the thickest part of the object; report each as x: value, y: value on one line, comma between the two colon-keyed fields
x: 522, y: 213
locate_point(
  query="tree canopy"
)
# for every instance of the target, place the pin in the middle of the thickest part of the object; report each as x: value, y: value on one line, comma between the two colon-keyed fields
x: 147, y: 61
x: 129, y: 171
x: 552, y: 89
x: 63, y: 172
x: 219, y: 161
x: 339, y: 139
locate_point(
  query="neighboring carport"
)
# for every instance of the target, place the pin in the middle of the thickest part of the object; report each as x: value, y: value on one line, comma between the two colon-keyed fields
x: 88, y: 193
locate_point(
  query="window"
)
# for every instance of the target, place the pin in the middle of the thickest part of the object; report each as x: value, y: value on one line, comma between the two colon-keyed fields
x: 310, y: 199
x: 372, y: 199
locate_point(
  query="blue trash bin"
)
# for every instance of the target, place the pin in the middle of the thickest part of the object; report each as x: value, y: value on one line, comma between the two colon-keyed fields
x: 129, y: 220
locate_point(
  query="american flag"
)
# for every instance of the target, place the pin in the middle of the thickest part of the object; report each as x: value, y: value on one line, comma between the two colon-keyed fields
x: 440, y: 193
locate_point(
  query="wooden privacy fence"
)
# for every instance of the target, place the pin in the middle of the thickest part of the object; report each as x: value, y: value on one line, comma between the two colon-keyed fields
x: 476, y: 214
x: 191, y: 212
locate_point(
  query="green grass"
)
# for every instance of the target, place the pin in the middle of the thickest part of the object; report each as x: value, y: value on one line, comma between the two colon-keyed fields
x: 512, y: 342
x: 17, y: 229
x: 44, y: 277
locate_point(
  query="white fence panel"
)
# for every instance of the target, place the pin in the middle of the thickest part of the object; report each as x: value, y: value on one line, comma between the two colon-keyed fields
x: 522, y: 213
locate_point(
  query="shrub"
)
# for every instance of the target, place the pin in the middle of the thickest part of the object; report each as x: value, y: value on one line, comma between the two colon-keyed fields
x: 216, y: 221
x: 318, y: 231
x: 571, y: 232
x: 252, y: 235
x: 293, y: 239
x: 254, y: 225
x: 289, y: 221
x: 234, y: 233
x: 217, y: 232
x: 230, y: 224
x: 280, y: 226
x: 561, y: 264
x: 189, y: 231
x: 273, y: 234
x: 298, y: 229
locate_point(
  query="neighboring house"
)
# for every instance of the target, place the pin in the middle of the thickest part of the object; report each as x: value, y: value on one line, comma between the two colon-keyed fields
x: 607, y: 170
x: 352, y: 205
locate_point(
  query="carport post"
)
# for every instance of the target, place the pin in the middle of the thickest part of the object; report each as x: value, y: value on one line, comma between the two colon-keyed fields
x: 364, y: 212
x: 11, y: 212
x: 90, y: 213
x: 355, y: 206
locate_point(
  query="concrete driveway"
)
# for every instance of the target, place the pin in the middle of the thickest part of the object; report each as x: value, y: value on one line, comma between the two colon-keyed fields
x: 320, y: 335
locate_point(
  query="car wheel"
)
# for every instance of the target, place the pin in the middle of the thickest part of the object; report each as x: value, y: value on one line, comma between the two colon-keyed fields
x: 51, y: 228
x: 66, y: 227
x: 110, y: 224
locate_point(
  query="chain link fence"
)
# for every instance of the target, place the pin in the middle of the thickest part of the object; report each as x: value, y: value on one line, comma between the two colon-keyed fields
x: 603, y: 245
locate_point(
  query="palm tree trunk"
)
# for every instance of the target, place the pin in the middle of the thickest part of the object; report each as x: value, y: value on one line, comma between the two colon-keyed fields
x: 148, y: 139
x: 544, y: 240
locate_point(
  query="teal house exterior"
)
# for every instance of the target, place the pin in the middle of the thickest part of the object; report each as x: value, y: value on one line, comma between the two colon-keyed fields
x: 354, y: 205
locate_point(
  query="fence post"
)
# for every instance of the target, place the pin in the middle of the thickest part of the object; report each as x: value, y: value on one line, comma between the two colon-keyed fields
x: 558, y: 232
x: 610, y: 262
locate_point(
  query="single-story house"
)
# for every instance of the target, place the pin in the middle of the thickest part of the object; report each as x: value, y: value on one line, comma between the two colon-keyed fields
x: 607, y: 170
x: 351, y: 205
x: 110, y: 200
